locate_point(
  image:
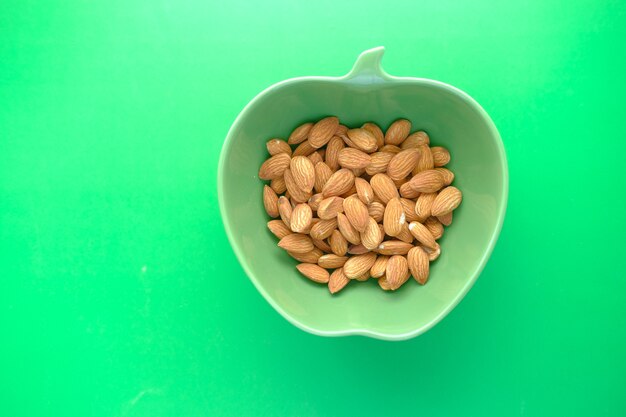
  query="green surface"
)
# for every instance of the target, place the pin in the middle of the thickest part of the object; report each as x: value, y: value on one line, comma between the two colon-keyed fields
x: 121, y: 297
x: 367, y: 93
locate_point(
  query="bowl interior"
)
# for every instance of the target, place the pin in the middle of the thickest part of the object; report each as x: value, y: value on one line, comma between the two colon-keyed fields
x: 451, y: 119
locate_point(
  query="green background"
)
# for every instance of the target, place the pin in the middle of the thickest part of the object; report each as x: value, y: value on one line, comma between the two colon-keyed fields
x: 120, y: 295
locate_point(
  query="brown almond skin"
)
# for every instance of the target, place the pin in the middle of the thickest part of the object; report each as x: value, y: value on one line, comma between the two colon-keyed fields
x: 362, y: 139
x: 304, y: 149
x: 384, y: 187
x: 300, y: 134
x: 332, y: 152
x: 323, y: 131
x: 270, y: 201
x: 314, y: 272
x: 372, y: 236
x: 434, y: 227
x: 357, y: 249
x: 278, y: 185
x: 394, y: 247
x: 356, y: 212
x: 376, y: 210
x: 396, y: 271
x: 315, y: 157
x: 394, y: 217
x: 403, y: 163
x: 398, y: 132
x: 432, y: 254
x: 323, y: 229
x: 428, y: 181
x: 308, y: 257
x: 441, y: 156
x: 340, y: 182
x: 416, y: 139
x: 446, y: 201
x: 337, y: 281
x: 321, y: 245
x: 364, y: 190
x: 329, y: 208
x: 359, y: 264
x: 276, y: 146
x: 405, y: 234
x: 303, y: 172
x: 285, y: 209
x: 301, y: 217
x: 278, y: 228
x: 422, y: 234
x: 419, y: 264
x: 377, y: 132
x: 423, y: 206
x: 448, y: 176
x: 379, y: 163
x: 347, y: 230
x: 409, y: 209
x: 322, y: 174
x: 353, y: 158
x: 425, y: 160
x: 315, y: 201
x: 331, y: 261
x: 274, y: 166
x: 297, y: 193
x: 338, y: 243
x: 379, y: 266
x: 446, y: 219
x: 296, y: 243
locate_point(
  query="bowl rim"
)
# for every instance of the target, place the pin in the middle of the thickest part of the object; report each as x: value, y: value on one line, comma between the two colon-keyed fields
x: 228, y: 141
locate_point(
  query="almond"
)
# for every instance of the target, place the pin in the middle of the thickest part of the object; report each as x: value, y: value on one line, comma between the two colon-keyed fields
x: 409, y: 209
x: 314, y: 272
x: 376, y: 210
x: 304, y: 149
x: 448, y: 176
x: 403, y: 163
x: 278, y: 185
x: 270, y: 201
x: 397, y: 271
x: 274, y: 167
x: 331, y: 261
x: 315, y: 201
x: 321, y: 245
x: 285, y: 209
x: 405, y: 234
x: 278, y: 228
x: 357, y: 249
x: 356, y: 212
x: 418, y: 264
x: 377, y: 132
x: 297, y: 193
x: 338, y: 243
x: 372, y: 236
x: 435, y: 227
x: 337, y: 281
x: 303, y: 172
x: 300, y: 134
x: 397, y: 133
x: 315, y: 157
x: 446, y: 219
x: 425, y: 160
x: 407, y: 191
x: 364, y: 190
x: 394, y: 247
x: 321, y: 153
x: 379, y: 266
x: 382, y: 283
x: 362, y: 139
x: 441, y: 156
x: 416, y: 139
x: 296, y: 243
x: 433, y: 254
x: 422, y: 234
x: 347, y: 230
x: 379, y: 163
x: 447, y: 200
x: 308, y: 257
x: 384, y: 187
x: 330, y: 207
x: 358, y: 264
x: 340, y: 182
x: 322, y: 131
x: 363, y: 277
x: 423, y: 206
x: 276, y: 146
x: 332, y: 152
x: 394, y: 217
x: 323, y: 229
x: 428, y: 181
x: 350, y: 192
x: 301, y: 217
x: 353, y: 159
x: 391, y: 149
x: 322, y: 174
x: 341, y: 130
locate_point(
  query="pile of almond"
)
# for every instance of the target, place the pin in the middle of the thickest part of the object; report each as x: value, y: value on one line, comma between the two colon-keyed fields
x: 358, y: 202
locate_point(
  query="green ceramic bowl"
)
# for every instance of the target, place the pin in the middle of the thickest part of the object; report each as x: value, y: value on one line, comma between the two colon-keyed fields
x: 367, y: 93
